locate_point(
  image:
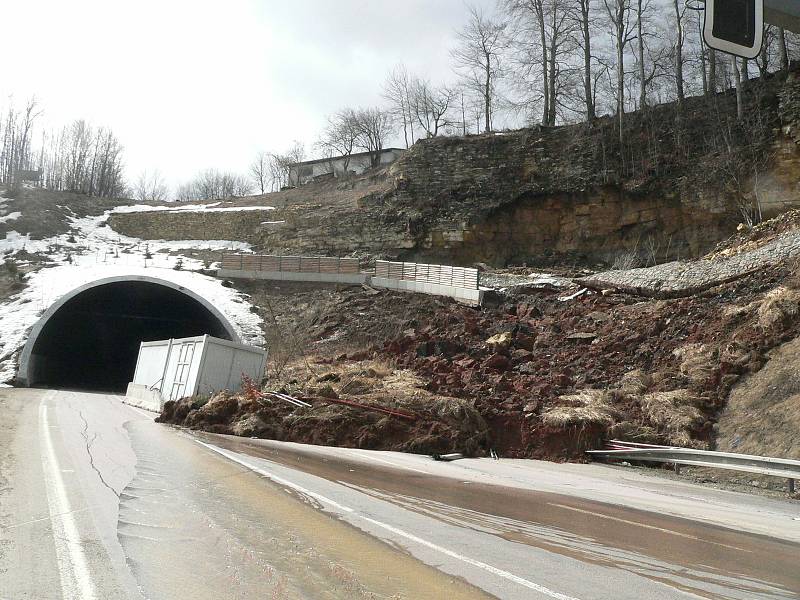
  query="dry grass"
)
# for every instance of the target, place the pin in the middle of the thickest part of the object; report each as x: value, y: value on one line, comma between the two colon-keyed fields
x: 635, y: 383
x: 674, y: 414
x: 698, y: 361
x: 763, y: 412
x: 778, y: 307
x: 626, y: 260
x: 380, y: 383
x: 587, y: 407
x: 736, y: 312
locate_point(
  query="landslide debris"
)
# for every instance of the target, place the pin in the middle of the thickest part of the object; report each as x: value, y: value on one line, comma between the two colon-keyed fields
x: 441, y: 425
x: 776, y: 241
x: 542, y: 373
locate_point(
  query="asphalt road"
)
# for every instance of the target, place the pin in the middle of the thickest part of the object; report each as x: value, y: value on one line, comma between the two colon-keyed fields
x: 97, y: 501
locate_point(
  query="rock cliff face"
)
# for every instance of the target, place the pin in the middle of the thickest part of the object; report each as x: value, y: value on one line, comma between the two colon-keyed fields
x: 528, y: 195
x: 182, y: 225
x: 682, y: 182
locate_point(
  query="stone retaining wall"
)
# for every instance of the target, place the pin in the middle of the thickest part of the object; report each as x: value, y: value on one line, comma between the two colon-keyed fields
x: 243, y: 226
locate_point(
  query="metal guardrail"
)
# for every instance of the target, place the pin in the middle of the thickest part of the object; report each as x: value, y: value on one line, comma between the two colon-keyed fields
x: 762, y: 465
x: 292, y: 264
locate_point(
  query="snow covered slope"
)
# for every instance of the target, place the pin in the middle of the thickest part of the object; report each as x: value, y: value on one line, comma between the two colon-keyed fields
x: 91, y: 250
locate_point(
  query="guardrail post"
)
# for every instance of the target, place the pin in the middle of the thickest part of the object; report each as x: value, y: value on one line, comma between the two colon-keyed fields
x: 790, y: 486
x: 677, y: 468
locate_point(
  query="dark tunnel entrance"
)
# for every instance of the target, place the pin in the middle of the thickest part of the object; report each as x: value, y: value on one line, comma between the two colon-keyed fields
x: 91, y: 342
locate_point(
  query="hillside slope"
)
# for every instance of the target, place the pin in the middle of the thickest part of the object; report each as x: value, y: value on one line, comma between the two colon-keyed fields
x: 536, y: 372
x: 685, y: 177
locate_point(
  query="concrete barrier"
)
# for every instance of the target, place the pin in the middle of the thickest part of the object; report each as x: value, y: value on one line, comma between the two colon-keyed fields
x: 460, y: 283
x: 344, y: 278
x: 466, y: 295
x: 142, y: 396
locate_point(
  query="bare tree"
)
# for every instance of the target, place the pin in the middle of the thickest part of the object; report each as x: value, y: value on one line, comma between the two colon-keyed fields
x: 739, y: 99
x: 542, y: 33
x: 677, y: 48
x: 83, y: 159
x: 712, y: 71
x: 769, y: 49
x: 702, y: 54
x: 339, y: 138
x: 150, y: 187
x: 15, y: 146
x: 212, y: 184
x: 784, y: 55
x: 374, y: 129
x: 619, y: 16
x: 397, y: 90
x: 584, y: 23
x: 478, y: 58
x: 431, y: 105
x: 641, y: 8
x: 280, y: 166
x: 30, y: 114
x: 651, y: 53
x: 259, y: 171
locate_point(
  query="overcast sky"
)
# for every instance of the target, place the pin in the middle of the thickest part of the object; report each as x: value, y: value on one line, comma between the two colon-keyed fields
x: 188, y: 85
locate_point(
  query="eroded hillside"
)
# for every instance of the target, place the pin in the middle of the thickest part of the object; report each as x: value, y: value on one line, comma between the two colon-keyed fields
x: 539, y: 371
x: 683, y: 180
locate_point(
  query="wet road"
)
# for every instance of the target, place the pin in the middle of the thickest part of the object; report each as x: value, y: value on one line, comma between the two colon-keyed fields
x: 97, y: 501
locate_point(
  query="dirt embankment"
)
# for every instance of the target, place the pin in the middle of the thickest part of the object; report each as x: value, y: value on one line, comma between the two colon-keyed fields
x: 529, y: 375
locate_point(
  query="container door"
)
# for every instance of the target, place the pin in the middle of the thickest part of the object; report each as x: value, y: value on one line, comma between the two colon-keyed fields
x: 182, y: 367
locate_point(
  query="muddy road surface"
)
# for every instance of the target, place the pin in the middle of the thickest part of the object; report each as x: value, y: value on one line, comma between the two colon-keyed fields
x: 98, y: 501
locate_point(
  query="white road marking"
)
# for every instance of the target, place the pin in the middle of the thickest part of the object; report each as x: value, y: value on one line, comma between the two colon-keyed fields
x: 149, y: 415
x: 388, y: 462
x: 646, y: 526
x: 76, y: 582
x: 409, y: 536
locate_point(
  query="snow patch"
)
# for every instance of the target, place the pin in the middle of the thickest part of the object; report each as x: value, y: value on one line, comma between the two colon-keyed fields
x: 577, y: 294
x: 189, y: 208
x: 544, y: 279
x: 93, y: 251
x: 11, y: 217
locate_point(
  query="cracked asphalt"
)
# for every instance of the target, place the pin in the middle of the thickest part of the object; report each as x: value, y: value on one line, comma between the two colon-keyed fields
x: 98, y: 501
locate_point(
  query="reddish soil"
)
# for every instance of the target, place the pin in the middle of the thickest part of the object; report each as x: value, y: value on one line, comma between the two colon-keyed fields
x: 552, y: 349
x: 591, y: 342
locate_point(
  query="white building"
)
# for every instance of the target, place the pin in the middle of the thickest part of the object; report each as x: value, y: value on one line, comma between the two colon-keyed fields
x: 303, y: 172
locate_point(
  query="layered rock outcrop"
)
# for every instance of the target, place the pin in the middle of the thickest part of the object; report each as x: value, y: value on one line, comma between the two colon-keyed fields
x: 683, y: 180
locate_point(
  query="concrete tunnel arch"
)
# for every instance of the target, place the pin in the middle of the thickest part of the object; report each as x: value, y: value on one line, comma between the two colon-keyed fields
x: 88, y: 338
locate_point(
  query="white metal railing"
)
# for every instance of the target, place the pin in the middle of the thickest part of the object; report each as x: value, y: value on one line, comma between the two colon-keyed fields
x: 462, y: 277
x: 293, y: 264
x: 763, y: 465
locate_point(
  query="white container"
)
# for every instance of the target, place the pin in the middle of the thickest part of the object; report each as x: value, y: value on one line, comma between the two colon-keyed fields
x: 191, y: 366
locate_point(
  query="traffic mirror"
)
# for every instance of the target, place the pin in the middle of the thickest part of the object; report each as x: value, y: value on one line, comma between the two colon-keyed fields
x: 734, y: 26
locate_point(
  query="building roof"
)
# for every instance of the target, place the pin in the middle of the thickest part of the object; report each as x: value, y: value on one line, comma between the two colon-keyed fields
x: 353, y: 155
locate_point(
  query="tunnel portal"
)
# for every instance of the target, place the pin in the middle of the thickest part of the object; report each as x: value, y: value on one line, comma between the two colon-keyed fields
x: 90, y: 339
